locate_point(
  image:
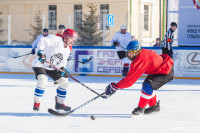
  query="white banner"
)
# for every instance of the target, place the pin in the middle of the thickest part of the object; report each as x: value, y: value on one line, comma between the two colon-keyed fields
x: 187, y: 63
x: 10, y: 64
x: 189, y: 23
x: 104, y: 61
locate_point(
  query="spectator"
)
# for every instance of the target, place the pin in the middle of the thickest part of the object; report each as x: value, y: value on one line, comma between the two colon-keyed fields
x: 44, y: 34
x: 121, y: 40
x: 157, y: 43
x: 61, y: 29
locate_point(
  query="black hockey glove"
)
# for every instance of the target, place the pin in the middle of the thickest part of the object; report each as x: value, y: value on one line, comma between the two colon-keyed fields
x: 115, y: 43
x: 70, y: 57
x: 42, y: 56
x: 33, y: 51
x: 110, y: 90
x: 64, y: 72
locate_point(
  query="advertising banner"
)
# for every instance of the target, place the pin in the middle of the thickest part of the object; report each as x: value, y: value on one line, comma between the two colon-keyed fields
x: 189, y: 23
x: 104, y: 61
x: 10, y: 64
x: 187, y: 63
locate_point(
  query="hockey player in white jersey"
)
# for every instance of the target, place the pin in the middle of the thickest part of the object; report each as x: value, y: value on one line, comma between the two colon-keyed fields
x: 55, y: 50
x: 121, y: 40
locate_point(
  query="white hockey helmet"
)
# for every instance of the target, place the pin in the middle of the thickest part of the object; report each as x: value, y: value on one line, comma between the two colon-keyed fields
x: 123, y: 27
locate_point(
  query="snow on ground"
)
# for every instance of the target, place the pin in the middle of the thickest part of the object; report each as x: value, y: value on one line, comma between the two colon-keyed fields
x: 180, y: 108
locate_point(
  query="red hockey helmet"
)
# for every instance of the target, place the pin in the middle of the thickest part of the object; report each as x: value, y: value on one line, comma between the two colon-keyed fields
x: 69, y: 33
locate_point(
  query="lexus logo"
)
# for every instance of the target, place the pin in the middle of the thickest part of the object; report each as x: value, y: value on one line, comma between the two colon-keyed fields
x: 193, y: 58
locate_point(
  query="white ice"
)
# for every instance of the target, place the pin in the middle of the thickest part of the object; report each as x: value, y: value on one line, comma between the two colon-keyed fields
x: 179, y: 99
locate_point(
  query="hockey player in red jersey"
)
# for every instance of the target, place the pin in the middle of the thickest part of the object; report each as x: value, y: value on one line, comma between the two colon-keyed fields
x: 159, y: 68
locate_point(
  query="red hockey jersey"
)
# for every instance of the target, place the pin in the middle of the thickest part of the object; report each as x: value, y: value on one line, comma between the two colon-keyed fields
x: 148, y: 62
x: 61, y: 36
x: 58, y: 35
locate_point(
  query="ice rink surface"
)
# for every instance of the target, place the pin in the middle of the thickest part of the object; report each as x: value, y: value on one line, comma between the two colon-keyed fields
x: 179, y: 100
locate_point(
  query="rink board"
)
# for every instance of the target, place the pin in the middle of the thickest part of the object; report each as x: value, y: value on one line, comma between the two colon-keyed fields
x: 104, y: 60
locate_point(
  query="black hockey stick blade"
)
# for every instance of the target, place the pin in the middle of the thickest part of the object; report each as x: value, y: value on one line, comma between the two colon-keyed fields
x: 84, y: 61
x: 53, y: 112
x: 87, y: 60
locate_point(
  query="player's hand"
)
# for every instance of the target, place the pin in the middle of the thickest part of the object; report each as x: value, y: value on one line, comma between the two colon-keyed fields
x: 115, y: 43
x: 42, y: 56
x: 70, y: 57
x: 64, y: 72
x: 110, y: 90
x: 33, y: 51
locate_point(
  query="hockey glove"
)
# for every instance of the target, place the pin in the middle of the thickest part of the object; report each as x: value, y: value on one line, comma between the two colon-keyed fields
x: 70, y: 57
x: 42, y: 56
x: 110, y: 90
x: 64, y: 72
x: 115, y: 43
x: 33, y: 51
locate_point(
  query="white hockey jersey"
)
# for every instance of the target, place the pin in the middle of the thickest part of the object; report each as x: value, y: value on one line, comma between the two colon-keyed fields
x: 55, y: 51
x: 122, y: 39
x: 34, y: 44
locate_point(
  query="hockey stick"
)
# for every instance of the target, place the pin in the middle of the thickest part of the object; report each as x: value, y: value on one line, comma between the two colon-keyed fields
x: 86, y: 86
x: 122, y: 47
x: 81, y: 61
x: 22, y: 55
x: 53, y: 112
x: 76, y: 80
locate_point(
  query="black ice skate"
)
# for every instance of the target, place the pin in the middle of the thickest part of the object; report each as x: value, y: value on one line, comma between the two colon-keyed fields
x: 154, y: 108
x: 36, y: 107
x: 138, y: 111
x: 59, y: 106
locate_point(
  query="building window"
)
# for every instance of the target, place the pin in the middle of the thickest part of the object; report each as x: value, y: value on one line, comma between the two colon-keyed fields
x: 146, y: 17
x: 77, y: 15
x: 52, y: 17
x: 104, y: 9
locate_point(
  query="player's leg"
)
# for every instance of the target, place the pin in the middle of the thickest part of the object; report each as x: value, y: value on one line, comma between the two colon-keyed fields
x: 170, y: 53
x: 61, y: 90
x: 166, y: 51
x: 125, y: 66
x: 61, y: 95
x: 146, y: 95
x: 156, y: 81
x: 122, y: 56
x: 42, y: 79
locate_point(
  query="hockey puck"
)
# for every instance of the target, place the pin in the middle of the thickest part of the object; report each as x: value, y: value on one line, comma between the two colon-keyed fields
x: 92, y: 117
